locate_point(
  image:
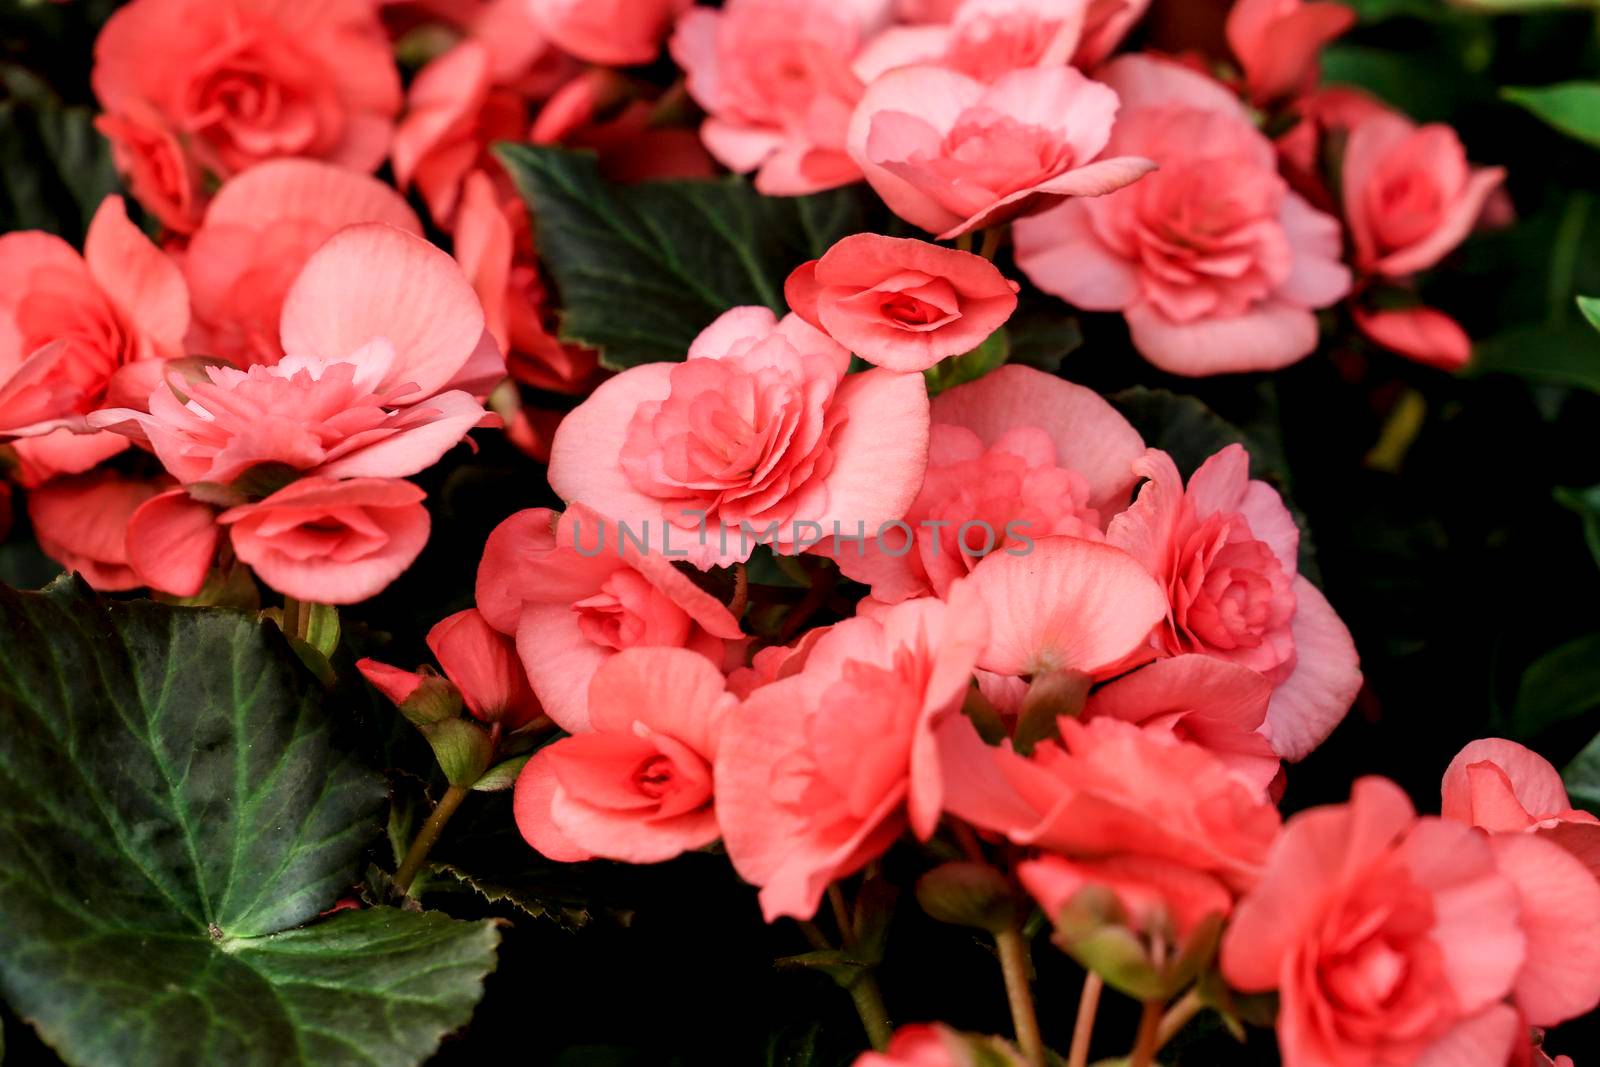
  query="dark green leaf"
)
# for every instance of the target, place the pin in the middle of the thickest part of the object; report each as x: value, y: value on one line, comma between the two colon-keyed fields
x: 641, y: 269
x: 58, y: 167
x: 1586, y: 502
x: 1590, y: 306
x: 1571, y: 107
x: 170, y: 809
x: 1582, y: 776
x: 1565, y: 353
x: 1560, y: 685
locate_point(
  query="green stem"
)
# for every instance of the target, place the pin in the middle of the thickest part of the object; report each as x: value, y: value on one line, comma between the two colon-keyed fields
x: 869, y: 1005
x: 427, y: 837
x: 1145, y: 1045
x: 1014, y: 967
x: 991, y: 242
x: 1177, y: 1017
x: 1083, y: 1026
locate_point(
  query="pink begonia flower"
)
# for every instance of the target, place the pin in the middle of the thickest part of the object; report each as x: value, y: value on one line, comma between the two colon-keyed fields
x: 454, y: 112
x: 612, y: 33
x: 775, y: 79
x: 1209, y: 702
x: 575, y: 592
x: 1020, y: 452
x: 1216, y: 264
x: 1064, y: 604
x: 257, y: 235
x: 951, y: 154
x: 901, y: 304
x: 241, y: 81
x: 162, y: 177
x: 376, y: 324
x: 1110, y: 788
x: 983, y: 39
x: 758, y: 435
x: 1157, y: 895
x: 479, y: 660
x: 1323, y: 115
x: 328, y: 541
x: 937, y: 1045
x: 1277, y: 42
x: 1100, y: 24
x: 614, y: 116
x: 172, y: 541
x: 821, y: 771
x: 81, y: 522
x: 121, y: 303
x: 1396, y: 939
x: 638, y: 786
x: 1419, y: 333
x: 1226, y: 552
x: 1410, y: 196
x: 516, y: 308
x: 1505, y: 788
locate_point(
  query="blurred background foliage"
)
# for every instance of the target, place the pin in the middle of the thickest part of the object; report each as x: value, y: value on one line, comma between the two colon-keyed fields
x: 1456, y: 525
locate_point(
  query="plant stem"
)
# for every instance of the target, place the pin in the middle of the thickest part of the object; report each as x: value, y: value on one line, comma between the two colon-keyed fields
x: 1177, y: 1017
x: 991, y: 242
x: 869, y: 1005
x: 741, y: 590
x: 1014, y: 967
x: 1083, y: 1026
x: 427, y: 837
x: 1145, y: 1045
x: 841, y: 915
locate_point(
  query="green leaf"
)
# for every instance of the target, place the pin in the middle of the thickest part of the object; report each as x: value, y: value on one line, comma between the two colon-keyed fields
x: 1573, y: 108
x: 58, y: 167
x: 171, y: 809
x: 642, y: 269
x: 1590, y: 306
x: 1582, y: 777
x: 1560, y: 685
x: 1586, y: 502
x: 1564, y: 353
x: 970, y: 366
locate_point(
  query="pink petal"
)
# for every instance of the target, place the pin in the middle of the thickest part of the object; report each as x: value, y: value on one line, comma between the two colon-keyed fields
x: 1452, y: 229
x: 172, y: 541
x: 142, y: 283
x: 1537, y: 785
x: 1484, y: 1040
x: 1561, y: 918
x: 1421, y: 333
x: 1270, y: 336
x: 1143, y: 81
x: 673, y: 691
x: 1060, y: 252
x: 560, y: 661
x: 1326, y: 678
x: 416, y: 448
x: 536, y: 788
x: 881, y: 451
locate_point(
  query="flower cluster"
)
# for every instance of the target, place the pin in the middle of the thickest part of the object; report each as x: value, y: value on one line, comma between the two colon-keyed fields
x: 1006, y: 630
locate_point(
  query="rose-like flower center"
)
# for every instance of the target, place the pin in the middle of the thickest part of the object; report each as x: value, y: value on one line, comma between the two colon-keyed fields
x: 627, y: 611
x: 1000, y: 155
x: 654, y: 777
x: 1404, y: 208
x: 990, y: 45
x: 1231, y: 596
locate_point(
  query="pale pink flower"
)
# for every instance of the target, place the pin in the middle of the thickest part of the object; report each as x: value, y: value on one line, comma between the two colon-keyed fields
x: 1216, y: 264
x: 1098, y: 26
x: 240, y: 81
x: 901, y: 304
x: 258, y: 233
x: 637, y: 786
x: 1226, y: 554
x: 331, y: 542
x: 1277, y: 42
x: 775, y: 79
x: 1020, y: 454
x: 952, y: 154
x: 758, y: 434
x: 821, y: 771
x: 1506, y: 788
x: 574, y: 594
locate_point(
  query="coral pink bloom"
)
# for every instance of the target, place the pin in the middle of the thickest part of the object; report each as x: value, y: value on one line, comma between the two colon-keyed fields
x: 821, y: 771
x: 901, y: 304
x: 612, y: 33
x: 1394, y: 939
x: 81, y: 523
x: 951, y: 154
x: 172, y: 541
x: 453, y: 114
x: 376, y: 323
x: 1161, y: 899
x: 575, y: 592
x: 1111, y: 788
x: 240, y: 81
x: 1217, y: 705
x: 258, y: 233
x: 515, y: 305
x: 1410, y: 196
x: 637, y: 787
x: 1020, y: 454
x: 332, y: 542
x: 164, y: 178
x: 1420, y: 333
x: 483, y: 665
x: 1226, y: 554
x: 936, y: 1045
x: 758, y: 435
x: 1505, y: 788
x: 1560, y: 903
x: 983, y: 39
x: 615, y: 116
x: 121, y: 303
x: 774, y: 76
x: 1064, y: 604
x: 1277, y: 42
x: 1216, y: 264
